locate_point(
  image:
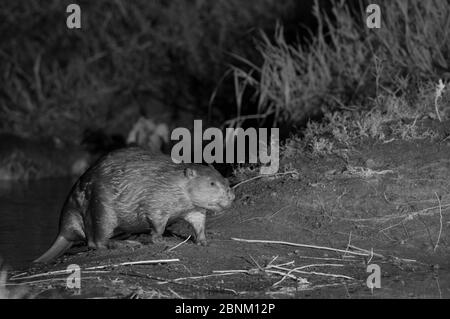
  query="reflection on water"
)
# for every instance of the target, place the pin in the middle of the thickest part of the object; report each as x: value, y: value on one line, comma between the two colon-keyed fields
x: 29, y: 216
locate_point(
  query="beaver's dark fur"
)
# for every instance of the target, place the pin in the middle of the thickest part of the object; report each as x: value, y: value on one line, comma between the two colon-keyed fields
x: 133, y: 191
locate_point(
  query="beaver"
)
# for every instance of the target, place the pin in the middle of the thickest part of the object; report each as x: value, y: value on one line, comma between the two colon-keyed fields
x: 134, y: 190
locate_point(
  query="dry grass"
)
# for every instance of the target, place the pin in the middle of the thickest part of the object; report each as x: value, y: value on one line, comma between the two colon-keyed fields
x: 128, y: 57
x: 347, y: 64
x: 391, y: 118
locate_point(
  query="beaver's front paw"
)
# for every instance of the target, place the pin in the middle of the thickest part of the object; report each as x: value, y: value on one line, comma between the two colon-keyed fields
x: 201, y: 242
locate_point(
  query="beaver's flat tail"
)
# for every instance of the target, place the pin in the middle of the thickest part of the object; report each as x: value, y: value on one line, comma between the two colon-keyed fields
x: 60, y: 245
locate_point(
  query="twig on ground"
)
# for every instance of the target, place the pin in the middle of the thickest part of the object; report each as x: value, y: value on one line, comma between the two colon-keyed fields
x: 130, y: 263
x: 200, y: 277
x: 178, y: 245
x: 349, y: 240
x: 439, y: 89
x: 254, y: 271
x: 175, y: 293
x: 440, y: 222
x: 50, y: 273
x: 282, y: 273
x: 330, y: 259
x: 436, y: 278
x: 368, y: 252
x: 68, y: 271
x: 271, y: 216
x: 289, y: 271
x: 298, y: 269
x: 299, y: 245
x: 45, y: 280
x: 392, y: 226
x: 256, y: 263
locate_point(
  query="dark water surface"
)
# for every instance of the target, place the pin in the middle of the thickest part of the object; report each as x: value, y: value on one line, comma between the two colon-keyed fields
x: 29, y: 216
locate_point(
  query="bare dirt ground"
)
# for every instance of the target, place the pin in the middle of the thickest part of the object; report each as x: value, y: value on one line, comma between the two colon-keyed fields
x: 390, y: 199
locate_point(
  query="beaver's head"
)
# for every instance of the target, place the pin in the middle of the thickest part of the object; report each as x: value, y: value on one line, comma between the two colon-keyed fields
x: 207, y: 188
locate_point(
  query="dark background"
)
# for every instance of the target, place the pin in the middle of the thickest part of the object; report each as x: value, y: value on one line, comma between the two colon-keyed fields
x: 159, y: 59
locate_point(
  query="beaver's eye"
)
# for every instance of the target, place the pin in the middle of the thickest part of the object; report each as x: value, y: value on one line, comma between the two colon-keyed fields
x: 213, y: 184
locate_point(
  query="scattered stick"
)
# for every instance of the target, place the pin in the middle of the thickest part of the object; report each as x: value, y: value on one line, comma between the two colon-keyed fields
x: 436, y: 278
x: 20, y: 274
x: 130, y: 263
x: 253, y: 271
x: 299, y: 245
x: 324, y: 258
x: 178, y: 245
x: 392, y: 226
x: 233, y: 271
x: 349, y: 240
x: 366, y: 172
x: 360, y: 252
x: 197, y: 277
x: 67, y: 271
x: 271, y: 216
x: 368, y: 252
x: 405, y: 260
x: 316, y: 265
x: 439, y: 89
x: 175, y: 293
x: 298, y: 270
x: 440, y: 221
x: 44, y: 280
x: 50, y: 273
x: 281, y: 273
x: 285, y: 272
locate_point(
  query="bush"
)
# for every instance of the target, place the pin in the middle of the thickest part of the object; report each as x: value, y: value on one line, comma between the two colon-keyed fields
x: 127, y: 56
x: 346, y: 64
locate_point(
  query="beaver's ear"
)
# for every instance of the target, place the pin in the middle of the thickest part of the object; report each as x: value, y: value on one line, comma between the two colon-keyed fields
x: 190, y: 172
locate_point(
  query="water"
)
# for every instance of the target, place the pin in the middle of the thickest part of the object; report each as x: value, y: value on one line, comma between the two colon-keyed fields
x: 29, y: 216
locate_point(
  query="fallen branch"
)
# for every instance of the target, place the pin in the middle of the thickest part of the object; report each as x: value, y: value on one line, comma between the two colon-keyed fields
x: 368, y: 252
x: 50, y: 273
x: 329, y: 259
x: 405, y: 260
x: 130, y: 263
x: 44, y: 280
x: 195, y: 277
x: 68, y: 271
x: 178, y: 245
x: 284, y: 272
x: 440, y: 221
x: 298, y: 270
x: 299, y: 245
